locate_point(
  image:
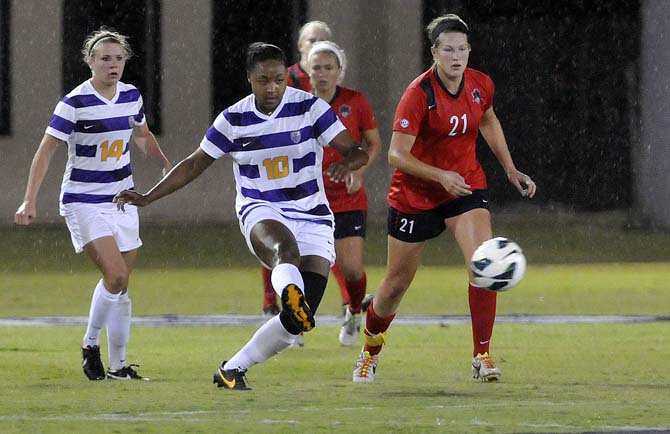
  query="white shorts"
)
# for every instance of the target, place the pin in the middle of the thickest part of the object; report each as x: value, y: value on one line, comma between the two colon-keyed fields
x: 87, y: 223
x: 313, y: 238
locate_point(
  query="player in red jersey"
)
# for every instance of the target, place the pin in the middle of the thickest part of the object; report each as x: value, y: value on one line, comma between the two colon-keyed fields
x: 310, y: 33
x: 438, y: 183
x: 347, y: 200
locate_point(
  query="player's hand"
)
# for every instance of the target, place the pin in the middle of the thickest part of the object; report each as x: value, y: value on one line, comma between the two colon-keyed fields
x: 25, y: 214
x: 522, y: 183
x: 354, y: 182
x: 338, y: 172
x: 129, y: 197
x: 454, y: 184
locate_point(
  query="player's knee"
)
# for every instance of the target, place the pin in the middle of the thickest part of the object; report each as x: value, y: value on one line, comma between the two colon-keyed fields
x: 116, y: 281
x: 287, y: 252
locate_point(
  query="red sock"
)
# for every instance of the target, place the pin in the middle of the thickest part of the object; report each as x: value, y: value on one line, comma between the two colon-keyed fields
x: 483, y: 314
x: 356, y: 290
x: 341, y: 283
x: 269, y: 294
x: 375, y: 325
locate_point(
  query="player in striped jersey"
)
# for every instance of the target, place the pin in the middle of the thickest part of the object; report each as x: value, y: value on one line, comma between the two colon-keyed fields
x: 275, y: 137
x: 97, y: 121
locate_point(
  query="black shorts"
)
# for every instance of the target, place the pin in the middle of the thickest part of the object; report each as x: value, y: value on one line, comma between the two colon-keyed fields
x: 350, y: 224
x: 415, y: 228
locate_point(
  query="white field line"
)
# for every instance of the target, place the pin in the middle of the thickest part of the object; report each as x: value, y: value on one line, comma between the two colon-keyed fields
x: 328, y: 320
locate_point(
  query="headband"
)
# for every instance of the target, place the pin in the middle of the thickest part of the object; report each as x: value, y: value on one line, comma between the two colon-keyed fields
x: 100, y: 38
x: 330, y: 47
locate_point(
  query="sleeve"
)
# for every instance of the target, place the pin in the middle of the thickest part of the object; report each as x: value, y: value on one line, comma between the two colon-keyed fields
x: 410, y: 111
x: 490, y: 91
x: 62, y: 121
x: 366, y: 116
x: 218, y: 139
x: 140, y: 118
x: 325, y: 122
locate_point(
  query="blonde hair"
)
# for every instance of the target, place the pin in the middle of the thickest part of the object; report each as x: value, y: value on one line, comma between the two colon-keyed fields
x: 319, y: 25
x: 330, y: 47
x: 105, y: 34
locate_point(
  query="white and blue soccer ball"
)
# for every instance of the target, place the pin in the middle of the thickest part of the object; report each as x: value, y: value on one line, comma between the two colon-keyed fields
x: 498, y: 264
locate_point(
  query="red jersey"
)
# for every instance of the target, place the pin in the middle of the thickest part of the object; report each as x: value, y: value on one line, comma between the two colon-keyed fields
x: 298, y: 78
x: 354, y: 111
x: 446, y: 136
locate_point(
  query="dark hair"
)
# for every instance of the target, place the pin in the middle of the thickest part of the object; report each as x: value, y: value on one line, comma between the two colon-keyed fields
x: 261, y: 51
x: 445, y: 23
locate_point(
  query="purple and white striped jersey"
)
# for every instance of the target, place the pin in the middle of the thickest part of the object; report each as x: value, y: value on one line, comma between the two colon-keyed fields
x: 277, y: 158
x: 97, y: 132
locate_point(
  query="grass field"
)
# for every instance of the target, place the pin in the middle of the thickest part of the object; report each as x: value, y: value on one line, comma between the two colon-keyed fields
x: 600, y: 377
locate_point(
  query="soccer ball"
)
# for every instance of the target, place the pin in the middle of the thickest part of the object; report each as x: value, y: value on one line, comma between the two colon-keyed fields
x: 498, y: 264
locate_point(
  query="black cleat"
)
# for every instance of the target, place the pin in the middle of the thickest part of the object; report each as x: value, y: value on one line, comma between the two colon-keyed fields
x: 91, y: 363
x: 293, y: 302
x: 126, y: 373
x: 367, y: 301
x: 233, y: 379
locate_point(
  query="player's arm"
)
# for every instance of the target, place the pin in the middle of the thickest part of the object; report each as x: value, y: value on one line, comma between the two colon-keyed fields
x: 373, y: 146
x: 186, y: 171
x: 354, y: 155
x: 400, y: 156
x: 493, y: 134
x: 38, y: 169
x: 146, y: 141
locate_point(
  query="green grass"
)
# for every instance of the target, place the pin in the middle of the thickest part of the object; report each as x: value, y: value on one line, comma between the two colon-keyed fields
x: 557, y: 378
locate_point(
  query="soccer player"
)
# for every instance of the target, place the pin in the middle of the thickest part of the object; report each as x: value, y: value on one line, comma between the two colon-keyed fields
x: 348, y: 199
x: 275, y: 137
x: 438, y: 183
x: 310, y: 33
x: 97, y: 121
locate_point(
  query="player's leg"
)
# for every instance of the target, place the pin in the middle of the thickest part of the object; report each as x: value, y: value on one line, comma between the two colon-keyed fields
x: 269, y: 295
x: 105, y: 253
x: 470, y: 229
x: 341, y: 285
x: 350, y: 258
x: 403, y: 259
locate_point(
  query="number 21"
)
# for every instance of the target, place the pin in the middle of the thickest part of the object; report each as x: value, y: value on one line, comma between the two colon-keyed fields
x: 455, y: 121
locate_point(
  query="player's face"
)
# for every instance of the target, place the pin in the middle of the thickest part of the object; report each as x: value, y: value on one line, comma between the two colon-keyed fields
x: 309, y: 37
x: 107, y: 62
x: 324, y: 71
x: 451, y: 53
x: 268, y: 83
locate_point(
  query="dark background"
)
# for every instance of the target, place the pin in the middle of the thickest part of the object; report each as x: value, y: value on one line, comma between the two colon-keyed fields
x: 4, y: 68
x: 566, y: 76
x: 137, y: 19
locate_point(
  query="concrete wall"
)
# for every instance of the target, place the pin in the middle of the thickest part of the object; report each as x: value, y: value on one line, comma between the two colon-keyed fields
x: 383, y: 41
x: 651, y: 157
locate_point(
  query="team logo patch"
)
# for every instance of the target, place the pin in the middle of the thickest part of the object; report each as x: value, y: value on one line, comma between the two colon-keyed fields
x: 345, y: 110
x: 476, y: 96
x: 295, y: 136
x: 404, y: 123
x: 131, y: 122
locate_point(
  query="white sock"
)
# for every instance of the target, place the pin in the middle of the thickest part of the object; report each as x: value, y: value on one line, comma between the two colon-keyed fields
x: 101, y: 305
x: 118, y: 332
x: 269, y: 340
x: 286, y: 274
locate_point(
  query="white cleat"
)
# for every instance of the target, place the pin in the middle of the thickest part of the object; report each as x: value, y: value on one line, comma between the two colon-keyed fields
x: 366, y: 365
x: 484, y: 368
x: 351, y: 329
